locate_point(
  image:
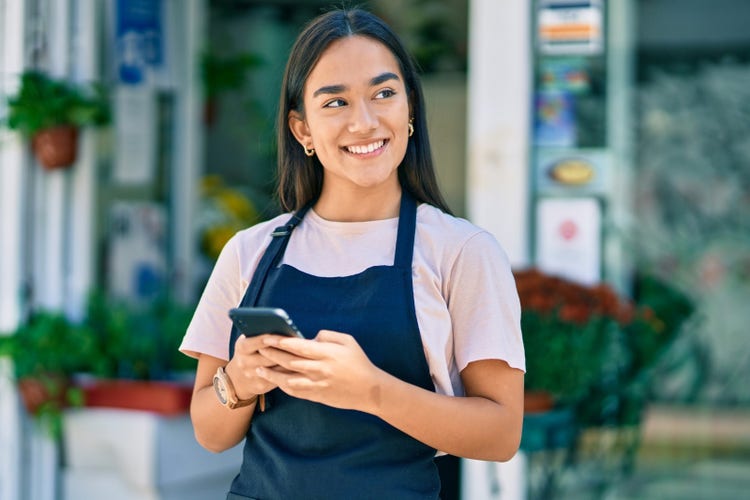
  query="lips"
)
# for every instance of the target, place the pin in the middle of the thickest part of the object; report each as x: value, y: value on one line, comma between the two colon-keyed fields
x: 365, y: 148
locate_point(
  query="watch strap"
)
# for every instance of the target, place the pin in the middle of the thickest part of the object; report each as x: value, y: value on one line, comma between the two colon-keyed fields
x: 232, y: 400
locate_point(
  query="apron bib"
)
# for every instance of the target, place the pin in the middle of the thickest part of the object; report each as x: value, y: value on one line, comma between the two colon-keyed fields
x: 299, y: 449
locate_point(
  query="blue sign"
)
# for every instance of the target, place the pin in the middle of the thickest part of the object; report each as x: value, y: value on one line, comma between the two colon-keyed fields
x: 139, y: 39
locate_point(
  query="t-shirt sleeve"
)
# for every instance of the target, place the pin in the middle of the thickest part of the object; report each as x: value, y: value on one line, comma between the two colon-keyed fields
x: 484, y: 305
x: 210, y: 328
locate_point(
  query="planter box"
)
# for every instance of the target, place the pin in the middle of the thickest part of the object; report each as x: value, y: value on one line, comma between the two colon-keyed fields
x: 139, y: 455
x: 164, y: 398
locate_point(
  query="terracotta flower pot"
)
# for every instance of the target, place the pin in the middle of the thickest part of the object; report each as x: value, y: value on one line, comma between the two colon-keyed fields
x: 537, y: 402
x: 56, y: 147
x: 37, y: 391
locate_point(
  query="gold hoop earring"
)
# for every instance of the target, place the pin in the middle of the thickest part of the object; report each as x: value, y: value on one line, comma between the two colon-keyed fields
x: 308, y: 152
x: 411, y: 127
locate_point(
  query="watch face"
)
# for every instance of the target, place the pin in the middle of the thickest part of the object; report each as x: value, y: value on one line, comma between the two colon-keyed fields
x: 221, y: 390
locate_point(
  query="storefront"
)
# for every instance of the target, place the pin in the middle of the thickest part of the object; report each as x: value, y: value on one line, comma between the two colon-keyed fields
x: 144, y: 168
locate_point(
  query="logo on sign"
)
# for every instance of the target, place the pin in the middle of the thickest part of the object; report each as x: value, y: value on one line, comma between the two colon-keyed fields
x: 572, y: 172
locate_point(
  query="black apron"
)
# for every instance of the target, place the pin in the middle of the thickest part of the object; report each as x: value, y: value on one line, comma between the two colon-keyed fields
x: 299, y: 449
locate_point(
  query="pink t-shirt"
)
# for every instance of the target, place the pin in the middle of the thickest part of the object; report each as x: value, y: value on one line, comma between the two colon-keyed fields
x: 464, y: 292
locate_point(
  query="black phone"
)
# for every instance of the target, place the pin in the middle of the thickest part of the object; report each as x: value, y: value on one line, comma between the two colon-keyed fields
x: 252, y: 321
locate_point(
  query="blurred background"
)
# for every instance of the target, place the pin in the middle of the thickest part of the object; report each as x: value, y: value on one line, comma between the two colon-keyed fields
x: 606, y: 144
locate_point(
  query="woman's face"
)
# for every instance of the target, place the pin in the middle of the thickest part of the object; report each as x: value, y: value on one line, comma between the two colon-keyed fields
x: 356, y: 115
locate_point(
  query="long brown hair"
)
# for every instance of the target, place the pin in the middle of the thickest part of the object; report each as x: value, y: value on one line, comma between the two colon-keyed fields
x: 300, y: 178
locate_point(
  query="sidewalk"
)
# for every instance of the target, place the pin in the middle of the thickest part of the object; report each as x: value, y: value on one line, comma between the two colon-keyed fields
x: 686, y: 453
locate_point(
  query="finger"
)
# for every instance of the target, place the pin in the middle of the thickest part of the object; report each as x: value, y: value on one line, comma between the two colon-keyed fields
x: 291, y: 383
x: 312, y: 368
x: 333, y: 337
x: 299, y: 347
x: 248, y: 345
x: 277, y: 356
x: 247, y: 363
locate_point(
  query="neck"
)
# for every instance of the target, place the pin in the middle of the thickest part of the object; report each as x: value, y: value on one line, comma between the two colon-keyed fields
x: 356, y: 206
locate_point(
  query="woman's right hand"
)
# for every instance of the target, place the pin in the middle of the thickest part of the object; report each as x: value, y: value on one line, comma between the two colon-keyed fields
x: 241, y: 369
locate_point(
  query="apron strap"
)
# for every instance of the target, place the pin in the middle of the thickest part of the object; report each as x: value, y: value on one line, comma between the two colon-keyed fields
x: 272, y: 256
x: 407, y: 223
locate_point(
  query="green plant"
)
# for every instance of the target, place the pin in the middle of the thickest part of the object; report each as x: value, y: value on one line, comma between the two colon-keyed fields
x: 115, y: 340
x: 46, y: 350
x: 592, y: 349
x: 222, y: 74
x: 43, y: 102
x: 568, y: 329
x: 138, y: 341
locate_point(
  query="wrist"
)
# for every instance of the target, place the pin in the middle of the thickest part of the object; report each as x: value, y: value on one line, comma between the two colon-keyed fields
x: 226, y: 393
x: 236, y: 376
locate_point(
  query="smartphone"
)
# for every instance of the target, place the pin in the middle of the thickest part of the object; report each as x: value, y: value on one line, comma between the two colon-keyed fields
x: 252, y: 321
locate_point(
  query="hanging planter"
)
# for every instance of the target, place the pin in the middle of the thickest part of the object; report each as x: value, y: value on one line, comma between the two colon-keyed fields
x: 49, y: 112
x: 56, y: 147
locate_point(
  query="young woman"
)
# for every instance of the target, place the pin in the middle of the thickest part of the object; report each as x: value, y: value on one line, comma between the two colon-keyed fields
x: 411, y: 315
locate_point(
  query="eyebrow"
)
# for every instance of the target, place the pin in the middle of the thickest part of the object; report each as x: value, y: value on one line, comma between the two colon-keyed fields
x: 337, y: 89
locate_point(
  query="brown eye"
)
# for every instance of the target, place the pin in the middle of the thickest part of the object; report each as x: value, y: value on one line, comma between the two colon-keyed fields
x: 335, y: 103
x: 385, y: 93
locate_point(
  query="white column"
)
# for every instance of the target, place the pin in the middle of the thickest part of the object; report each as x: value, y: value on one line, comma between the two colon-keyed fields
x: 498, y: 122
x: 52, y: 190
x: 12, y: 174
x: 188, y: 158
x: 495, y: 481
x: 81, y: 254
x: 621, y: 31
x: 12, y: 258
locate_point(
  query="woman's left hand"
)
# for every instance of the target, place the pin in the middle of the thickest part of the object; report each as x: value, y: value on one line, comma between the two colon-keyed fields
x: 331, y: 369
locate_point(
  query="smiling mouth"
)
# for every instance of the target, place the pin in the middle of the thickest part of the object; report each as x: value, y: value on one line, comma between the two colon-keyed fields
x: 365, y: 149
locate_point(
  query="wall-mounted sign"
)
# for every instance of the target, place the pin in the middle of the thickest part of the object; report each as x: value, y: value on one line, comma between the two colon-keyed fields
x: 568, y: 238
x: 139, y: 40
x: 566, y: 170
x: 554, y: 119
x: 570, y: 26
x: 573, y: 172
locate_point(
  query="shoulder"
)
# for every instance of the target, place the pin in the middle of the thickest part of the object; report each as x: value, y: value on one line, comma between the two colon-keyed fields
x: 455, y: 236
x: 256, y: 236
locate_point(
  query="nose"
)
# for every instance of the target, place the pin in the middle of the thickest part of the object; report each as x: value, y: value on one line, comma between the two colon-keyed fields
x: 363, y: 118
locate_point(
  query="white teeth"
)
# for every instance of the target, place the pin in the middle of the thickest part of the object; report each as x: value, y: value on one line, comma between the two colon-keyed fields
x: 360, y: 150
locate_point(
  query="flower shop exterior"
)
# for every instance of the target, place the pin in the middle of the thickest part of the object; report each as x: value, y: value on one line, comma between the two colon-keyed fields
x: 570, y: 163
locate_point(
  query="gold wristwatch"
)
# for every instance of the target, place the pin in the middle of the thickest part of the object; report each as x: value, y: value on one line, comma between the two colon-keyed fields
x: 226, y: 393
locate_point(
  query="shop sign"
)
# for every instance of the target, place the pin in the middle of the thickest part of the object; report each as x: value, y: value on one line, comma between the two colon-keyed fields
x: 139, y: 40
x: 565, y: 170
x: 570, y: 27
x: 568, y: 239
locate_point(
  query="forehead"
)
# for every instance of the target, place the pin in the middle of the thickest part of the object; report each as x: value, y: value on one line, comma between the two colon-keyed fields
x: 352, y: 60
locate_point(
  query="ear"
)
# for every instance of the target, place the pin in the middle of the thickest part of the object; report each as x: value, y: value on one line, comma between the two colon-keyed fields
x: 299, y: 128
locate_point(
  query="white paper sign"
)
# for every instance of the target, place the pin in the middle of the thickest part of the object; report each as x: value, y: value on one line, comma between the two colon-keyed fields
x: 568, y: 239
x: 135, y: 129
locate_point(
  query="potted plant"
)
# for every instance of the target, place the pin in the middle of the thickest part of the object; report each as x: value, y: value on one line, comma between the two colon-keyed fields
x: 138, y: 364
x: 593, y: 351
x: 46, y: 350
x: 568, y: 329
x: 118, y: 351
x: 49, y: 112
